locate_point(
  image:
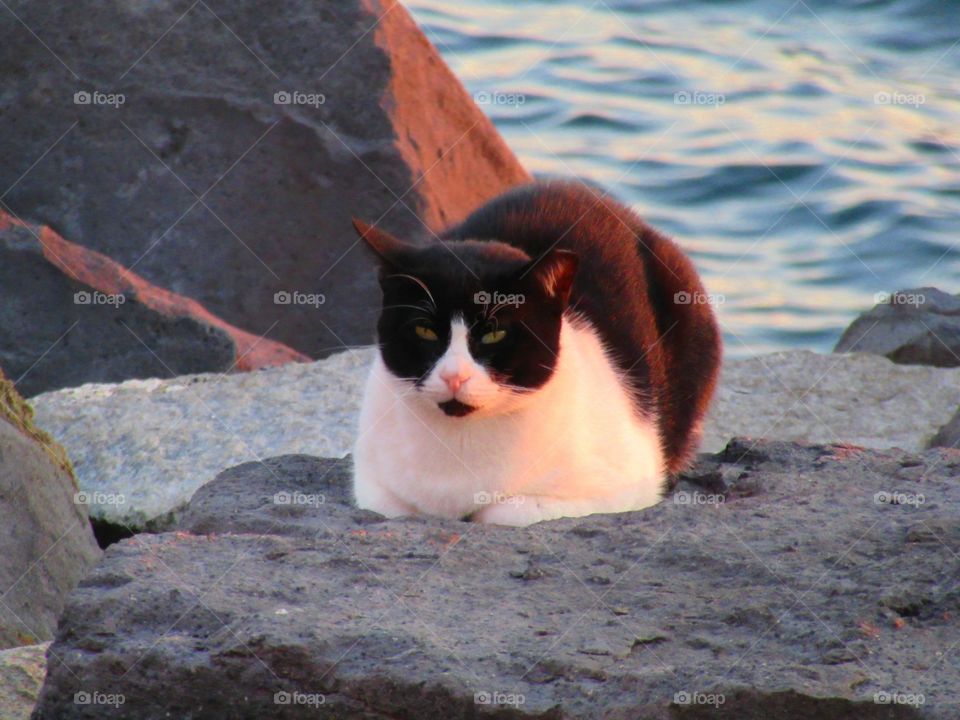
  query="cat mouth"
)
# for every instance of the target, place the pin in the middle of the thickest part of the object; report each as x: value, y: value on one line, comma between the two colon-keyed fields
x: 455, y: 408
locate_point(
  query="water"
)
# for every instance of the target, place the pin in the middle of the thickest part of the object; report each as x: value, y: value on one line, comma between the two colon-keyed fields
x: 815, y: 164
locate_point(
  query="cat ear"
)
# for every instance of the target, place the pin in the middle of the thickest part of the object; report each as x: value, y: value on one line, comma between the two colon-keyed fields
x: 555, y: 272
x: 386, y: 246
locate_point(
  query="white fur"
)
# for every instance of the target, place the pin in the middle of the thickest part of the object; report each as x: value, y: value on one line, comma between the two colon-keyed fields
x: 573, y: 447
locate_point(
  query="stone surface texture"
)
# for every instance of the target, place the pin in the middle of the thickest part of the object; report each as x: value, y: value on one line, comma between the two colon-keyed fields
x: 789, y: 581
x: 949, y: 435
x: 22, y: 670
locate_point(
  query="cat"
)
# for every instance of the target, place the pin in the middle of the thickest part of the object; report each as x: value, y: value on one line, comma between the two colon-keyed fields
x: 550, y: 356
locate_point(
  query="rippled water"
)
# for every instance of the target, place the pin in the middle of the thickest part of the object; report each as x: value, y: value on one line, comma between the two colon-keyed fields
x: 815, y: 163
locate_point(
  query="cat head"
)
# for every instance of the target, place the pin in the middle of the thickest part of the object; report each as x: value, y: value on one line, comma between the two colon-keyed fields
x: 473, y: 326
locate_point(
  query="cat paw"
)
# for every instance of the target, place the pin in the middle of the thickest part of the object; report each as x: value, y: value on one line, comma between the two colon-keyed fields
x: 374, y: 497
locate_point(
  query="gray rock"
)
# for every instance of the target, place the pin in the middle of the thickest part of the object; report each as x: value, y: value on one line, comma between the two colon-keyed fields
x: 46, y: 544
x: 787, y: 591
x: 158, y: 441
x: 856, y: 398
x: 204, y: 167
x: 69, y: 315
x: 22, y: 670
x: 920, y: 326
x: 949, y: 435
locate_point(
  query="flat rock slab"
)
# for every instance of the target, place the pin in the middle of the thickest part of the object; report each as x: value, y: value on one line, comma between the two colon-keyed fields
x: 857, y: 398
x: 157, y: 441
x: 780, y: 580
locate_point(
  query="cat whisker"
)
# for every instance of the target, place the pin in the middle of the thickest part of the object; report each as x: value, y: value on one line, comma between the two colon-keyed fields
x: 497, y: 308
x: 418, y: 282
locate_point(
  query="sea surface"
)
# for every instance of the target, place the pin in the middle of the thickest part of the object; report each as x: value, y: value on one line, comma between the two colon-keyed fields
x: 806, y: 154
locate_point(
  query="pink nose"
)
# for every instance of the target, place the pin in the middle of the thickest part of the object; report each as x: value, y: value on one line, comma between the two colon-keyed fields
x: 454, y: 380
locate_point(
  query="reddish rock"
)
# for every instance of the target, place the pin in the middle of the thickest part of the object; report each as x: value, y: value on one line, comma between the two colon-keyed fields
x: 69, y: 315
x: 454, y: 153
x: 227, y: 108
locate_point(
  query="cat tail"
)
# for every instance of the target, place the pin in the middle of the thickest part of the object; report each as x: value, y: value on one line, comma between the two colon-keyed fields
x: 689, y: 343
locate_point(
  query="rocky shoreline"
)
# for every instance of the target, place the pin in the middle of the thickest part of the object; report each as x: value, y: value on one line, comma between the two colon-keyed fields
x: 258, y: 582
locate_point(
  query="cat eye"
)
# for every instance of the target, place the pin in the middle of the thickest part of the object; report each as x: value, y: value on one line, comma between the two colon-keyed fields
x: 425, y: 333
x: 494, y: 336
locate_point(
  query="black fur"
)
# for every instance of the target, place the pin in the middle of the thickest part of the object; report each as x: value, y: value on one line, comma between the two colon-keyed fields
x: 455, y: 274
x: 627, y: 285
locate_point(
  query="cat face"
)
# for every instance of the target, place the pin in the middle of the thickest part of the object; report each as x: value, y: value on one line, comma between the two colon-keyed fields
x: 473, y: 326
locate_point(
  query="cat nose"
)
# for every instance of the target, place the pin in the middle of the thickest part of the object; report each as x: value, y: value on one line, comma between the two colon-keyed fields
x: 454, y: 379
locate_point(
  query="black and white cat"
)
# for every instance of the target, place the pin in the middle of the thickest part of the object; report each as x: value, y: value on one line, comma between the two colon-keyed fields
x: 552, y: 356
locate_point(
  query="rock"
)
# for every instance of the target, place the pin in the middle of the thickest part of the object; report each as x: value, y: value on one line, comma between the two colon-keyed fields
x: 185, y: 141
x: 911, y: 327
x: 22, y: 670
x: 158, y: 441
x: 858, y: 398
x: 46, y: 544
x: 949, y: 435
x: 69, y: 315
x: 298, y: 601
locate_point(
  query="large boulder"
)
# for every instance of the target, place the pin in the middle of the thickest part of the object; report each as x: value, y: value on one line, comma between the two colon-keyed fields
x: 69, y: 315
x: 779, y: 580
x: 46, y: 544
x: 912, y: 327
x: 221, y: 151
x: 120, y: 436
